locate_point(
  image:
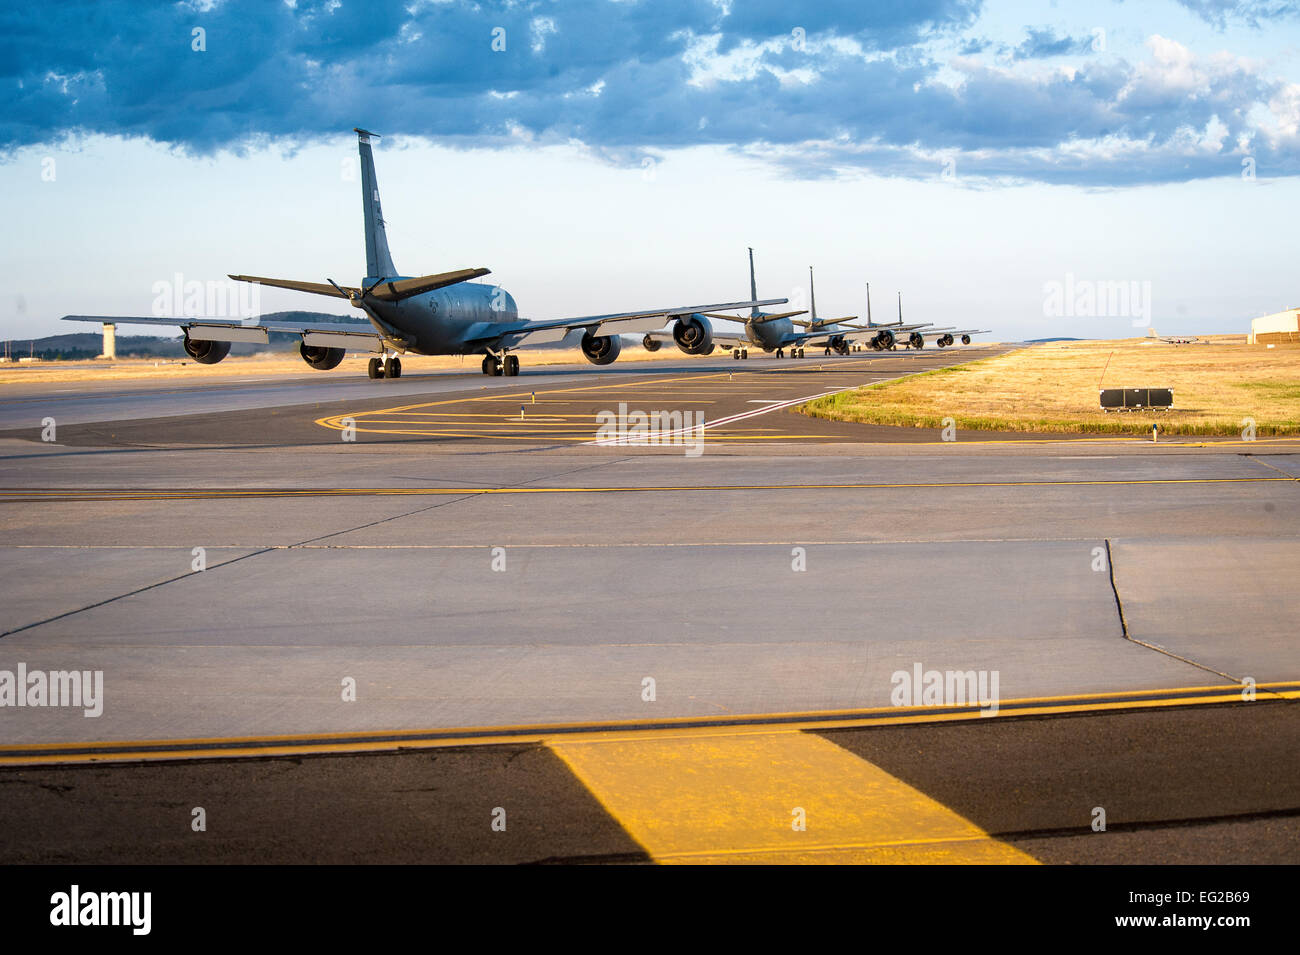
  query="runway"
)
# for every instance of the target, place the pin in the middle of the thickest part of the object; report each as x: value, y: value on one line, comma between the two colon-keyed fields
x: 468, y: 571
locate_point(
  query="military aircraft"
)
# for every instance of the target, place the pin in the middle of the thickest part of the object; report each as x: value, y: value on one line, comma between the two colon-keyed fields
x: 885, y: 339
x: 777, y: 332
x: 769, y: 331
x: 440, y: 314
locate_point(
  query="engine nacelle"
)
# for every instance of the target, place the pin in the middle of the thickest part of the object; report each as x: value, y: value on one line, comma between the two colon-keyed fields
x: 651, y: 344
x: 602, y: 349
x: 205, y: 352
x: 884, y: 340
x: 693, y: 335
x: 916, y: 340
x: 318, y: 356
x: 965, y: 339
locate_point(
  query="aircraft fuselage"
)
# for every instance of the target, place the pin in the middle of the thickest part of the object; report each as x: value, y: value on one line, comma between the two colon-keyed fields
x: 440, y: 322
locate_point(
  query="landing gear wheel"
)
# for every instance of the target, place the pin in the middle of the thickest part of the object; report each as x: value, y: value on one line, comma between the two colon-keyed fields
x: 800, y: 352
x: 735, y: 354
x: 744, y: 353
x: 497, y: 368
x: 512, y: 365
x: 488, y: 361
x: 374, y: 369
x: 780, y: 353
x: 394, y: 369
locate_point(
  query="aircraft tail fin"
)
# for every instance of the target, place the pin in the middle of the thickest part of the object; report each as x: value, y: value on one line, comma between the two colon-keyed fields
x: 870, y: 323
x: 812, y: 298
x: 379, y: 263
x: 753, y: 286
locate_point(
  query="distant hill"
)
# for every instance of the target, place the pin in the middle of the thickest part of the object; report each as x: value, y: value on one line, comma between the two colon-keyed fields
x: 82, y: 345
x: 1037, y: 341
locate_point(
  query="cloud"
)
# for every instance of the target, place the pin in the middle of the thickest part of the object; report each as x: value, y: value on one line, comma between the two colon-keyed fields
x: 1040, y: 44
x: 1253, y: 13
x: 859, y: 88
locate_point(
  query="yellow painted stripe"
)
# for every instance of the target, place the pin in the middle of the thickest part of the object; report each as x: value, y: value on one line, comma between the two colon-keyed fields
x: 669, y: 728
x: 739, y: 799
x: 109, y: 494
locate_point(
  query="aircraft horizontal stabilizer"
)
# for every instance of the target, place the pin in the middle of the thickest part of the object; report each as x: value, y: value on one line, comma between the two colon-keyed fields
x: 393, y: 290
x: 823, y: 322
x: 398, y: 289
x: 760, y: 319
x: 315, y: 288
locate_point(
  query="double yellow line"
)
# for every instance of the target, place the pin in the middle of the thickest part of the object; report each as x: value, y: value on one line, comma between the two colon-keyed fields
x: 28, y: 495
x: 622, y: 730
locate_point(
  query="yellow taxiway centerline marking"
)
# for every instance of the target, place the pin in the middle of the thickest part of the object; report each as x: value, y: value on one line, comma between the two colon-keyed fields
x: 778, y: 797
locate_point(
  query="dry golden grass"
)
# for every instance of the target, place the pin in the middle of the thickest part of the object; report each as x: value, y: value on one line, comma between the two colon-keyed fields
x: 1053, y: 387
x: 280, y: 364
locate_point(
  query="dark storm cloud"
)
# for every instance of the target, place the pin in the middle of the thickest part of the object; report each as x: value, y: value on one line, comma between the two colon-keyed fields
x: 856, y: 88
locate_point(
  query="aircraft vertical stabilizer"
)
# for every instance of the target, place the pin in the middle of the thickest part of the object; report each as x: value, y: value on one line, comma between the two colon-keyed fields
x: 379, y: 263
x: 812, y: 296
x: 753, y: 286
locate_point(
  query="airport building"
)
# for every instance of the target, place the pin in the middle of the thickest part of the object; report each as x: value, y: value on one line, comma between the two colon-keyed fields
x: 1276, y: 328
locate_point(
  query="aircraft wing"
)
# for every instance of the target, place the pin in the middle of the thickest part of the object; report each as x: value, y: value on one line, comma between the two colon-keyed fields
x: 892, y: 328
x: 719, y: 335
x: 853, y: 334
x: 328, y: 334
x: 620, y: 323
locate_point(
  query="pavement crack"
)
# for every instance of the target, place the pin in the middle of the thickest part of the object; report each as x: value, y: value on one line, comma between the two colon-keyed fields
x: 1252, y: 458
x: 132, y: 593
x: 1123, y: 622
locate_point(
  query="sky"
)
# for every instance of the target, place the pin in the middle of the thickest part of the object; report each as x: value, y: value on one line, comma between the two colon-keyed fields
x: 988, y: 160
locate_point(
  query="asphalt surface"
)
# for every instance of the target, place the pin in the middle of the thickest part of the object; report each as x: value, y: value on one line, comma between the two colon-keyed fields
x: 1173, y: 783
x: 502, y: 573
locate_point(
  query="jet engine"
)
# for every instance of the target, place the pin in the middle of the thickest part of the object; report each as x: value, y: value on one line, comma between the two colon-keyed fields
x: 965, y: 339
x: 601, y: 350
x: 651, y: 344
x: 693, y: 335
x: 204, y: 352
x: 321, y: 357
x: 883, y: 341
x: 916, y: 340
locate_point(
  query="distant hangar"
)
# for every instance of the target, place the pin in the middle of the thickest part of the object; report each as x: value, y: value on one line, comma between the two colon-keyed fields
x: 1276, y: 328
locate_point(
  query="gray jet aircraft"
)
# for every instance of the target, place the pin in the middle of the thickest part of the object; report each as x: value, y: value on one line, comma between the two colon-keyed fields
x: 441, y: 314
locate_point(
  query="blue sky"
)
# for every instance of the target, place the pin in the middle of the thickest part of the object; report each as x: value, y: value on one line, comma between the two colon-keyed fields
x: 623, y: 154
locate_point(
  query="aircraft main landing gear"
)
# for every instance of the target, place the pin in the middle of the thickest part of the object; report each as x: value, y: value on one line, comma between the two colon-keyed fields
x: 507, y: 365
x: 389, y: 367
